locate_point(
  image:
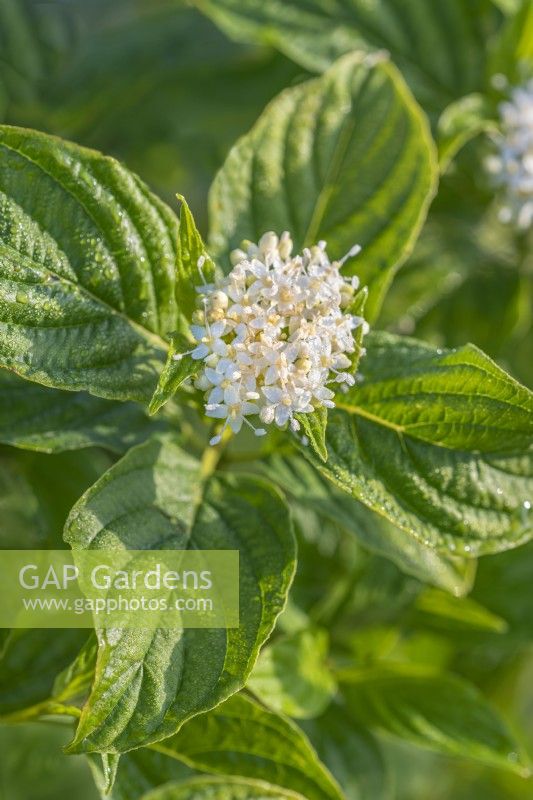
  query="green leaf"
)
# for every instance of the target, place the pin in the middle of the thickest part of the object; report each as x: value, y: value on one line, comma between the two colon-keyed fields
x: 148, y: 683
x: 138, y: 771
x: 352, y: 754
x: 417, y: 289
x: 37, y: 492
x: 47, y: 774
x: 314, y: 427
x: 460, y: 122
x: 324, y: 551
x: 22, y: 525
x: 439, y: 443
x: 465, y: 253
x: 163, y: 57
x: 462, y: 613
x: 451, y: 398
x: 221, y: 789
x: 87, y: 269
x: 75, y: 681
x: 346, y: 157
x: 175, y: 372
x: 513, y: 54
x: 439, y: 47
x: 503, y: 585
x: 190, y: 250
x: 28, y: 668
x: 457, y: 501
x: 306, y: 486
x: 242, y: 738
x: 508, y: 6
x: 292, y: 675
x: 104, y: 767
x: 501, y: 328
x: 437, y: 711
x: 238, y: 738
x: 35, y: 417
x: 21, y: 55
x: 34, y: 38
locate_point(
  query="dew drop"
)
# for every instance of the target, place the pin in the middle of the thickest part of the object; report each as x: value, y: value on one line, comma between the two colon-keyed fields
x: 527, y: 505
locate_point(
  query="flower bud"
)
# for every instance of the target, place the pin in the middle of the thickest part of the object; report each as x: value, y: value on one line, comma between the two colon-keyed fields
x: 219, y: 300
x: 268, y: 242
x: 285, y: 245
x: 237, y: 255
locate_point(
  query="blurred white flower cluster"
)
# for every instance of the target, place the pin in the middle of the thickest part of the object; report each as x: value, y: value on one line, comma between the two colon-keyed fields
x: 513, y: 165
x: 274, y: 334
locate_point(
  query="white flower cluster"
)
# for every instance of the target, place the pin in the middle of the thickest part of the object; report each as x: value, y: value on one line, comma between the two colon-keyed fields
x: 513, y: 165
x: 274, y: 335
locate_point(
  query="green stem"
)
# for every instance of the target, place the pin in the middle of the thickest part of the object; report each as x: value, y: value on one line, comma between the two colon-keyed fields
x: 212, y: 455
x: 40, y: 710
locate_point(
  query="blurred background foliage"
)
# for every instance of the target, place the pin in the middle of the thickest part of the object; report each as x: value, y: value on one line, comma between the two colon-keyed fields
x: 156, y: 84
x: 152, y: 82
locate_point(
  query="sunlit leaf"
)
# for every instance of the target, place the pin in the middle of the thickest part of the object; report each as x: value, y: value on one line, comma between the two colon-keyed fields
x: 346, y: 158
x: 87, y: 264
x: 439, y: 443
x: 178, y: 368
x: 192, y: 262
x: 221, y: 789
x: 292, y: 675
x: 157, y: 497
x: 242, y: 738
x: 460, y: 122
x: 303, y: 483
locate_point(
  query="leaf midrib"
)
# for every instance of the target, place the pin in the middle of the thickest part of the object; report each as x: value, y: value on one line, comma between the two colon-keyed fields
x: 403, y: 430
x: 385, y: 399
x: 335, y: 166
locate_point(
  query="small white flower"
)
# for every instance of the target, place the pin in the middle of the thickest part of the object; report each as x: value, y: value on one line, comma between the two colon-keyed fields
x: 224, y: 380
x: 275, y: 334
x: 512, y: 165
x: 210, y: 340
